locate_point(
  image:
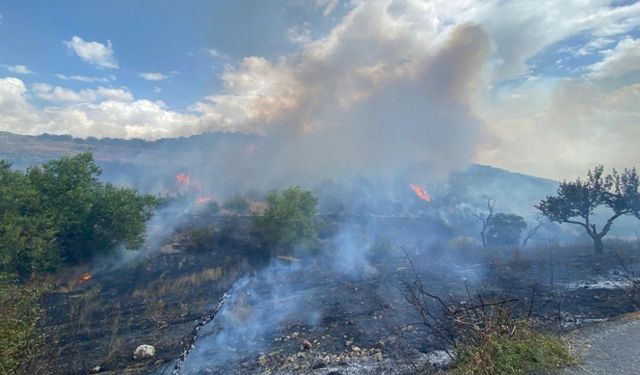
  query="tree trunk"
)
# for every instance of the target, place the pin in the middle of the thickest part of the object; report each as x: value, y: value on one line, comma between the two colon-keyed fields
x: 598, y: 247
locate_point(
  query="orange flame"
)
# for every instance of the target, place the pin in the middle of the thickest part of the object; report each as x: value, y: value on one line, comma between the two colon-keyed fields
x: 85, y: 277
x: 204, y: 199
x: 183, y: 179
x: 420, y: 192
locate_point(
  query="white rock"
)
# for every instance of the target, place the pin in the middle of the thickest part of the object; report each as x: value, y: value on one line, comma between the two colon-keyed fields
x: 144, y: 351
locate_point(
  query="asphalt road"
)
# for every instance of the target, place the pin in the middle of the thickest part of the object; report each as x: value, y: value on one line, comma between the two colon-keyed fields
x: 611, y: 348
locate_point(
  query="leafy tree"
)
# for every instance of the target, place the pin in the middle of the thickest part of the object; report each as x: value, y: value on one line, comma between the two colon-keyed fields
x: 577, y: 201
x: 505, y: 229
x: 61, y: 212
x: 289, y: 219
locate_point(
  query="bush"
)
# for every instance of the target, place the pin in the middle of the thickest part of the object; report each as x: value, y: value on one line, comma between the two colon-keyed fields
x: 483, y: 336
x: 521, y: 351
x: 289, y: 219
x: 20, y: 310
x: 60, y: 212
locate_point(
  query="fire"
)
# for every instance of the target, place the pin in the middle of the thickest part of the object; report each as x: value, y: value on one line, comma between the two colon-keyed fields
x: 420, y: 192
x: 85, y: 277
x: 183, y: 179
x: 203, y: 199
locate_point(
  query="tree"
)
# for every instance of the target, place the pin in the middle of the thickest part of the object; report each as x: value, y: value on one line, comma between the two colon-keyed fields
x: 532, y: 229
x: 505, y: 229
x: 61, y: 212
x: 289, y: 219
x: 577, y: 201
x: 485, y: 218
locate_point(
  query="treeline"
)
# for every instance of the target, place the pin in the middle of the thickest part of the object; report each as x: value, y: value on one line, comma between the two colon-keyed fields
x: 60, y: 212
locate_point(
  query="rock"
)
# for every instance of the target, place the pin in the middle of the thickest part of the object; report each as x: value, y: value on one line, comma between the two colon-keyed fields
x: 307, y: 345
x: 379, y: 345
x: 378, y: 357
x: 348, y: 343
x: 355, y: 349
x: 95, y: 370
x: 144, y: 351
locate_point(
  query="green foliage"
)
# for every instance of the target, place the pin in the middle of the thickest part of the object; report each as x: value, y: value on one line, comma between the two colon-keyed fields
x: 521, y: 351
x: 505, y: 229
x: 577, y: 200
x: 60, y: 212
x: 289, y: 219
x: 20, y: 310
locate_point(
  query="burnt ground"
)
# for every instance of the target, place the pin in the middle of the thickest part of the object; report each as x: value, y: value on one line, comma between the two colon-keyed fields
x: 349, y: 323
x: 316, y: 314
x: 156, y: 298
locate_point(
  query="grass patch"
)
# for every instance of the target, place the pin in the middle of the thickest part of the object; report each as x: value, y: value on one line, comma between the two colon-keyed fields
x: 521, y: 351
x: 20, y: 310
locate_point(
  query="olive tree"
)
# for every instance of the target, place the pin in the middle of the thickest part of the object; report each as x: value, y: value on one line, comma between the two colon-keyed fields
x: 577, y: 201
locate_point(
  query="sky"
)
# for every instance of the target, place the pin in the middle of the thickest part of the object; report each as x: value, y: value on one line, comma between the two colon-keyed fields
x: 548, y: 88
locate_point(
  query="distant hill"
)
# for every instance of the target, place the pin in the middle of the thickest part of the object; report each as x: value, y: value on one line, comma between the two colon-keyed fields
x: 25, y: 150
x: 139, y: 162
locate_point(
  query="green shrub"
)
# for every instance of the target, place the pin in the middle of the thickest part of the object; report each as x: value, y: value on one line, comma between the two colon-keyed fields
x: 20, y: 310
x: 289, y: 219
x: 521, y: 351
x: 61, y: 212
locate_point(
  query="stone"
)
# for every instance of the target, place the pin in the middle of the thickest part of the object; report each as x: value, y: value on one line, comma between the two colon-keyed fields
x: 307, y: 345
x: 144, y: 351
x: 95, y: 370
x: 378, y: 357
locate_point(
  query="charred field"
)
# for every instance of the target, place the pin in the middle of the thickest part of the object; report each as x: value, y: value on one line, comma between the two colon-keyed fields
x: 340, y: 309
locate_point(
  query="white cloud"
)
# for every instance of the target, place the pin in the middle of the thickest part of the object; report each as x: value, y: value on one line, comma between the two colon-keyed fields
x: 59, y: 94
x: 102, y: 112
x: 624, y: 58
x: 299, y: 34
x: 94, y: 53
x: 328, y: 6
x: 153, y: 76
x: 17, y: 69
x: 157, y: 89
x: 86, y: 79
x: 521, y: 29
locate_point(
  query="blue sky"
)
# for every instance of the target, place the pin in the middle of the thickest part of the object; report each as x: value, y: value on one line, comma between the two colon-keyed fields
x: 153, y: 69
x: 149, y: 36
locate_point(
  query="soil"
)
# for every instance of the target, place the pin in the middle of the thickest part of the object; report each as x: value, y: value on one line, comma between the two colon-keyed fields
x: 305, y: 314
